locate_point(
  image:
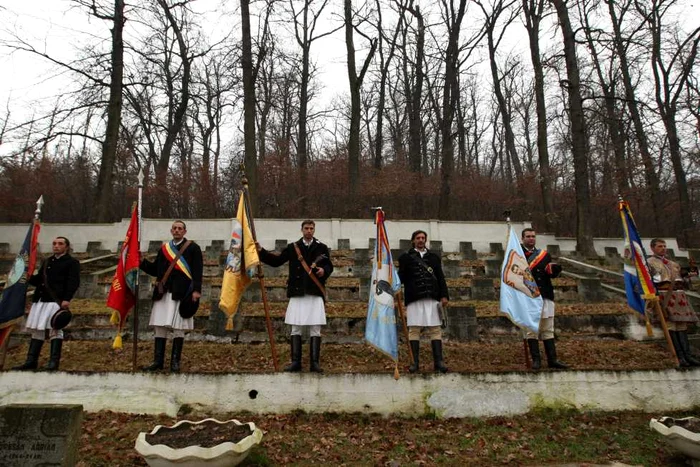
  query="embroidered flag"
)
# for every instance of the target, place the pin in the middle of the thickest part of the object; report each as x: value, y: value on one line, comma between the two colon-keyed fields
x: 520, y: 297
x: 380, y: 331
x: 241, y: 262
x: 122, y: 293
x: 638, y: 283
x: 14, y: 295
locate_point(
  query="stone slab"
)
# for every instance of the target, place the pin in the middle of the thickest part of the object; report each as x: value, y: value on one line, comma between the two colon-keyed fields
x: 39, y: 435
x: 343, y: 243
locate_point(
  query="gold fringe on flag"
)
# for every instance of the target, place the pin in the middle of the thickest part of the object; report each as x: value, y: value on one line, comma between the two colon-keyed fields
x: 396, y: 371
x: 229, y: 323
x: 114, y: 319
x: 117, y: 345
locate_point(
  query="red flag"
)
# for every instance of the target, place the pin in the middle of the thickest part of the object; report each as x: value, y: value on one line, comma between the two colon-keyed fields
x: 122, y: 293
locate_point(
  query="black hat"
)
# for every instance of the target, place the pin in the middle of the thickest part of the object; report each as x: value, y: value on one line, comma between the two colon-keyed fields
x: 188, y: 307
x: 61, y: 318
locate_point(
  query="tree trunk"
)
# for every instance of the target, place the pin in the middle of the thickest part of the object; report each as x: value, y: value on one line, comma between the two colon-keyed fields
x: 250, y: 157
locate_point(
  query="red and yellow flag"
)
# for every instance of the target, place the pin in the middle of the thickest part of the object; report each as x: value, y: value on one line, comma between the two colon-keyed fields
x: 122, y: 293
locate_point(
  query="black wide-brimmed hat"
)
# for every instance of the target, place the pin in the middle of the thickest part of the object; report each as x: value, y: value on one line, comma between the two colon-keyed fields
x: 188, y: 307
x: 61, y: 318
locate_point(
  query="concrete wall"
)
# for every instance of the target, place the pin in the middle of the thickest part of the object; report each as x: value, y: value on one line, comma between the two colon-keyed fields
x: 358, y: 231
x: 452, y: 395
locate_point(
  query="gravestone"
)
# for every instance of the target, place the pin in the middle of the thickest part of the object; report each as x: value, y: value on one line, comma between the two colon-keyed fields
x: 450, y: 267
x: 670, y: 253
x: 461, y: 323
x: 496, y: 249
x: 482, y: 289
x: 554, y: 250
x: 39, y: 435
x: 4, y: 248
x: 343, y: 243
x: 94, y: 248
x: 467, y: 250
x: 589, y: 290
x: 154, y: 246
x: 611, y: 252
x: 436, y: 247
x: 281, y: 244
x: 405, y: 244
x: 493, y: 267
x: 372, y: 244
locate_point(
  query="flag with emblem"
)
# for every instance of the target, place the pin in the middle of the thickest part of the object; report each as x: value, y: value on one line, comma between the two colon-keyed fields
x: 639, y: 285
x: 241, y: 263
x: 14, y: 294
x: 122, y: 293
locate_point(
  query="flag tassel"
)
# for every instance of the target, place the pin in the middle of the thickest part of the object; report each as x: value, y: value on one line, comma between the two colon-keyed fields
x: 229, y: 323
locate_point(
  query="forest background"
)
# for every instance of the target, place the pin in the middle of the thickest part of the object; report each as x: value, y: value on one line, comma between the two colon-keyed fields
x: 455, y: 109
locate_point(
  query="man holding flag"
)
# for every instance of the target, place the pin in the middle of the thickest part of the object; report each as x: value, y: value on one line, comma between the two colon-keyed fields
x: 676, y: 307
x: 543, y: 270
x: 425, y: 291
x: 56, y: 283
x: 310, y: 267
x: 178, y: 269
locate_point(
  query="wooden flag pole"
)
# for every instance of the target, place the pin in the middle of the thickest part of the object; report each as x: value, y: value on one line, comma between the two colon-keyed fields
x: 261, y: 279
x: 135, y: 345
x: 664, y: 326
x: 526, y: 351
x: 402, y: 315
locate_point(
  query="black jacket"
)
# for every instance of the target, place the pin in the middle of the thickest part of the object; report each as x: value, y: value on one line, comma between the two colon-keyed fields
x: 542, y: 274
x: 418, y: 282
x: 299, y: 283
x: 63, y: 276
x: 178, y: 283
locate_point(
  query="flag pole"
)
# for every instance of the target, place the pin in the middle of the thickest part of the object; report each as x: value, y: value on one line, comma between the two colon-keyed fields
x: 135, y: 351
x: 261, y: 277
x: 664, y: 326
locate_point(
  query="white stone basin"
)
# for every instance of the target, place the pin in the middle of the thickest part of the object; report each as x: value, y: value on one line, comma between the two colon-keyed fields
x: 684, y: 440
x: 222, y: 455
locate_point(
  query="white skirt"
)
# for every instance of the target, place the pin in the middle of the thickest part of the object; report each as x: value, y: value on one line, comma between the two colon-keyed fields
x: 40, y: 315
x: 308, y: 310
x: 165, y: 314
x: 547, y: 309
x: 423, y: 313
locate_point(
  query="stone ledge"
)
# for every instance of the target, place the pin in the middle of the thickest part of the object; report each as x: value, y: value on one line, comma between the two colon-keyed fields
x: 447, y: 396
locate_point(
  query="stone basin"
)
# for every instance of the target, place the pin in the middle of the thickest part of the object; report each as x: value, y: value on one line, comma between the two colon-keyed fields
x: 222, y: 455
x: 677, y: 433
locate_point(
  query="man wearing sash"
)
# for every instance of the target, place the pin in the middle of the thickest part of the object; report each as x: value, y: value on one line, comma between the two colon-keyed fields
x: 678, y: 312
x: 310, y: 267
x: 178, y: 271
x: 543, y: 270
x: 425, y: 294
x: 56, y: 282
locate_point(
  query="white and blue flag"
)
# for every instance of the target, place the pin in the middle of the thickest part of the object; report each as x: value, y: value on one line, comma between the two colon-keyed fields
x: 520, y: 297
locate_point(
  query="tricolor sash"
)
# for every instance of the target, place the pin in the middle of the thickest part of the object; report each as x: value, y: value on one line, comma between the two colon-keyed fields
x: 537, y: 259
x: 170, y: 250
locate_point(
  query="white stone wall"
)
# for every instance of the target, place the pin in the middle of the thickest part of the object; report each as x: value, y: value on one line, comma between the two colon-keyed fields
x: 329, y: 231
x: 451, y: 395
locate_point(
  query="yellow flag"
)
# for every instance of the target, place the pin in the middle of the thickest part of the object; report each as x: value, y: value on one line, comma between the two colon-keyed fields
x: 240, y: 264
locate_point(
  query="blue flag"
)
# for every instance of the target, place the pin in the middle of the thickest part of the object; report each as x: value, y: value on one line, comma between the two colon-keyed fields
x: 520, y: 297
x: 380, y: 331
x: 13, y: 297
x: 638, y: 283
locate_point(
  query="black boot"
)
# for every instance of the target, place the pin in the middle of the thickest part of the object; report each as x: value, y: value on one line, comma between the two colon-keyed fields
x: 176, y: 354
x: 158, y: 355
x: 437, y: 356
x: 295, y: 366
x: 551, y: 352
x: 55, y: 357
x: 678, y: 347
x: 685, y: 344
x: 315, y: 348
x: 415, y: 350
x: 534, y: 346
x: 32, y: 356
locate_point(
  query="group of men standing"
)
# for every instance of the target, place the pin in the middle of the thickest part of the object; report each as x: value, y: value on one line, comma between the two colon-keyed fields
x: 178, y: 268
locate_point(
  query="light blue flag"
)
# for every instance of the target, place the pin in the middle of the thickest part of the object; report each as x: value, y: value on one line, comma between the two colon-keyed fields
x: 380, y: 331
x: 520, y: 297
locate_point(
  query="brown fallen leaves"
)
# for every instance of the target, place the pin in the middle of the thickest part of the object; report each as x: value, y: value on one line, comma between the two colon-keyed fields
x: 201, y: 357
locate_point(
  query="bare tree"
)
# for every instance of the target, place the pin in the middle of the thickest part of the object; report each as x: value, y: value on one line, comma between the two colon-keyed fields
x: 579, y: 145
